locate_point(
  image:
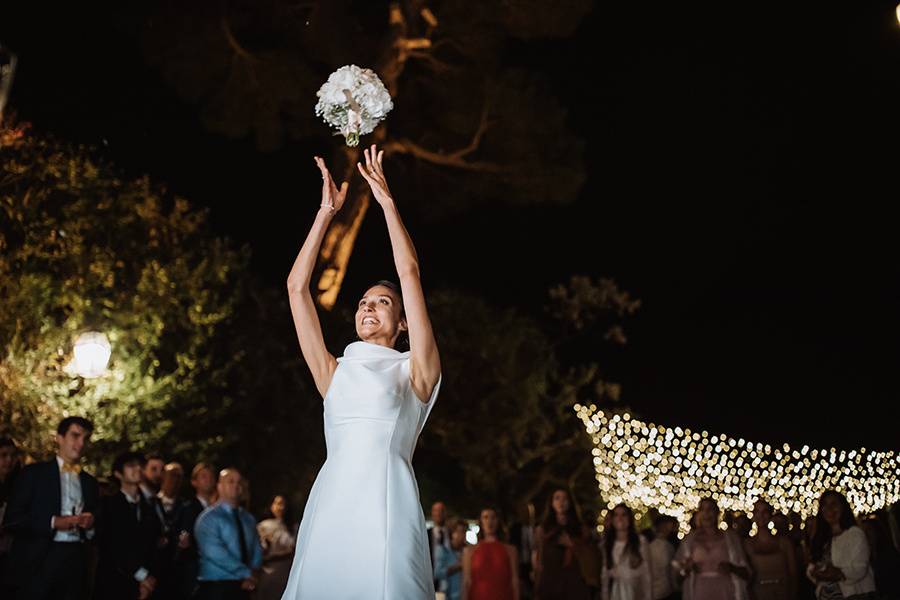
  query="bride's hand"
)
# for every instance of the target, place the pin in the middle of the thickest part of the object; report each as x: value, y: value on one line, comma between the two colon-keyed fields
x: 332, y: 197
x: 373, y: 173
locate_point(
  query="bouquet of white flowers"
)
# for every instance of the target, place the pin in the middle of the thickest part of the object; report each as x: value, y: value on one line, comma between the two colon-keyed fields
x: 353, y: 101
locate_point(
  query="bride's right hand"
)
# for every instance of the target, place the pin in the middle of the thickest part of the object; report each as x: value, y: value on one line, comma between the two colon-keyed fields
x: 332, y: 197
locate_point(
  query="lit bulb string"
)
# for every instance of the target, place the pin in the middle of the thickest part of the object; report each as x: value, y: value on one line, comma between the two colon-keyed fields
x: 670, y: 469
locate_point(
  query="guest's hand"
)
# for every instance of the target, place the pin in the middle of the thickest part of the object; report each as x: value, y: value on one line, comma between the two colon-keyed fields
x: 373, y: 173
x: 86, y: 520
x: 145, y: 589
x: 66, y: 523
x: 332, y: 197
x: 249, y: 584
x: 565, y: 540
x: 184, y: 540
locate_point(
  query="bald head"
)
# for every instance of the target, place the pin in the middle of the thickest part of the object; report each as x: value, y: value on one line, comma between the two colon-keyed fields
x: 231, y: 486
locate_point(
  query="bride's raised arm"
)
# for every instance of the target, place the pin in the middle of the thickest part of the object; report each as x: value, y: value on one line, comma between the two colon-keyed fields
x: 303, y: 308
x: 425, y: 362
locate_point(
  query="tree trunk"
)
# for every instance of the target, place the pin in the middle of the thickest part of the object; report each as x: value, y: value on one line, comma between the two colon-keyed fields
x: 341, y: 237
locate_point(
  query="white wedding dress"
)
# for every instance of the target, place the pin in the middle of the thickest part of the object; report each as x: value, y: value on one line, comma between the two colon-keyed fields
x: 363, y: 532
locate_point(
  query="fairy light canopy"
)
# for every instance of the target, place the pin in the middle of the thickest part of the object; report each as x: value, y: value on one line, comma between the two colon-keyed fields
x: 670, y: 469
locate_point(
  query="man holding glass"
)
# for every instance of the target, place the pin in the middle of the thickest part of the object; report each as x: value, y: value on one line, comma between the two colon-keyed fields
x: 51, y: 515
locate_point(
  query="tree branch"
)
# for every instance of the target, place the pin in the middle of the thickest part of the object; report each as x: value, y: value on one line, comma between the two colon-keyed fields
x: 455, y: 159
x: 232, y: 41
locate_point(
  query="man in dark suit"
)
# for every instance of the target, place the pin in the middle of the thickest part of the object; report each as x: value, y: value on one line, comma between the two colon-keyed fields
x: 127, y: 538
x: 51, y: 516
x: 203, y: 480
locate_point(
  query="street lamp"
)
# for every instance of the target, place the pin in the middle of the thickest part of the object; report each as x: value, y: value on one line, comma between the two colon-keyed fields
x: 92, y: 351
x: 7, y: 70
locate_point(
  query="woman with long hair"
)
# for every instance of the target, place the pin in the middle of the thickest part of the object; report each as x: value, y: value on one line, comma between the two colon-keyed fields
x: 839, y: 550
x: 490, y: 567
x: 712, y: 561
x: 559, y: 541
x: 277, y: 537
x: 363, y: 531
x: 771, y: 557
x: 626, y: 568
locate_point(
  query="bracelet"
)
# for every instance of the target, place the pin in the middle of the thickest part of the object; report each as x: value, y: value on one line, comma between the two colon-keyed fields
x: 330, y: 207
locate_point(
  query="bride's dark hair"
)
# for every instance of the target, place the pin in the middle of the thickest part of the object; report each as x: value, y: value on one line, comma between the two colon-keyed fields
x: 402, y: 343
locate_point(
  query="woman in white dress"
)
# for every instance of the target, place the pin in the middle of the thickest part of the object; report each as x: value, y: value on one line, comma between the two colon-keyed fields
x: 363, y: 531
x: 626, y: 566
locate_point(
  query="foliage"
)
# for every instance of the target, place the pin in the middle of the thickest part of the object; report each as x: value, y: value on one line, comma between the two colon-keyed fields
x: 83, y: 249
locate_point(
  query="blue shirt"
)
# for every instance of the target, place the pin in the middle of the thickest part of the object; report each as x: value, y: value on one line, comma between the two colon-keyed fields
x: 444, y: 558
x: 219, y: 547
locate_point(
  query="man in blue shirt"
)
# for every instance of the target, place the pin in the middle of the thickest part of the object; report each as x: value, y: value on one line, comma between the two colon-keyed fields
x: 228, y: 544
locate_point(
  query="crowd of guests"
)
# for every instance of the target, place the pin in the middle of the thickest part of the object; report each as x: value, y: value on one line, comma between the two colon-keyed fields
x: 65, y: 535
x: 833, y: 556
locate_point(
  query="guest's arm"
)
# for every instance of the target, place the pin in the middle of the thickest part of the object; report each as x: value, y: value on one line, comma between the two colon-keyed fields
x: 514, y: 567
x: 467, y: 571
x: 854, y: 557
x: 22, y: 516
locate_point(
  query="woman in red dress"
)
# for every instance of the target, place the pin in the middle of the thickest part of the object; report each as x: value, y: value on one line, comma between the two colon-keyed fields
x: 490, y: 568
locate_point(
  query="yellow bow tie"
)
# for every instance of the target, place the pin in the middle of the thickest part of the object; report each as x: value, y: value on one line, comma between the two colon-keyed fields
x: 71, y: 468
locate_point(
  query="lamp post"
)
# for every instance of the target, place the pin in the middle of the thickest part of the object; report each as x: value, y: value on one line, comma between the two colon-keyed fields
x: 92, y: 351
x: 7, y: 70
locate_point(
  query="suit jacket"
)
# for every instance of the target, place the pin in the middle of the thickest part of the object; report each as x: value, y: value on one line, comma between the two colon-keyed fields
x: 187, y: 516
x: 36, y: 498
x: 126, y: 544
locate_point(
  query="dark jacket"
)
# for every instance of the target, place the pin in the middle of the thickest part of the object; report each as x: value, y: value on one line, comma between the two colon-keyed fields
x: 125, y: 545
x: 36, y: 498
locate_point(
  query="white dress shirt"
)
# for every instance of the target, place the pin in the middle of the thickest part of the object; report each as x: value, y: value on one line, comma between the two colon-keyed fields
x: 71, y: 503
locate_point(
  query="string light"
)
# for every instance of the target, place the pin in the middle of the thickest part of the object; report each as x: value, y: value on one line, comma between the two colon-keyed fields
x: 670, y: 469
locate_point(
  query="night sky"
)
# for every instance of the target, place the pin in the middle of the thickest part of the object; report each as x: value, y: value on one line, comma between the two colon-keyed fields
x: 742, y: 163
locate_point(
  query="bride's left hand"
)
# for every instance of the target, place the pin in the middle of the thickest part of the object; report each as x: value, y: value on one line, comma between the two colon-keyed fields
x: 373, y: 173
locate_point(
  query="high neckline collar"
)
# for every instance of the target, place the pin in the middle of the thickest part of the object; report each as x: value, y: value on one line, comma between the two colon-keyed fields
x: 363, y: 349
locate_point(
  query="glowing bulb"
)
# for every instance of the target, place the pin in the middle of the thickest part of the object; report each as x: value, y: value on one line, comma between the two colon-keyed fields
x: 92, y: 352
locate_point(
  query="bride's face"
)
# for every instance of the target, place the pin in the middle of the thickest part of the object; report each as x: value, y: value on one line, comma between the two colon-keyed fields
x: 379, y: 316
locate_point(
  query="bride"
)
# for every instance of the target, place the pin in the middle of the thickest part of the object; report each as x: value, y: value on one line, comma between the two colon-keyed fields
x: 363, y: 531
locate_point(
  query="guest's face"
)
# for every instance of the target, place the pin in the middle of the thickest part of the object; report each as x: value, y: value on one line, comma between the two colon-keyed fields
x: 73, y: 443
x: 708, y: 515
x: 762, y: 514
x: 131, y: 473
x: 560, y: 502
x: 438, y: 513
x: 782, y: 525
x: 230, y: 486
x: 666, y: 528
x: 621, y: 520
x: 153, y: 471
x: 489, y: 521
x: 831, y: 510
x: 278, y: 506
x: 378, y: 316
x: 458, y: 537
x: 204, y: 482
x: 7, y: 460
x: 172, y: 479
